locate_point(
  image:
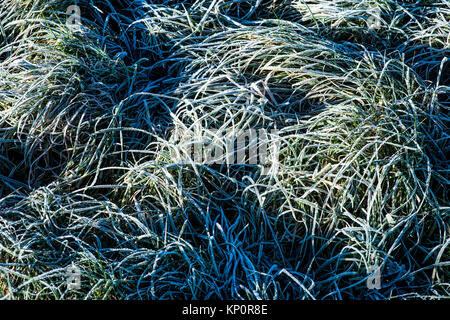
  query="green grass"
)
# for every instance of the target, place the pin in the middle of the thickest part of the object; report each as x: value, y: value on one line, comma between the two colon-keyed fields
x: 89, y: 120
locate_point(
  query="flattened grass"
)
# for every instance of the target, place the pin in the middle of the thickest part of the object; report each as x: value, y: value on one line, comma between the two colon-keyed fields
x: 89, y: 120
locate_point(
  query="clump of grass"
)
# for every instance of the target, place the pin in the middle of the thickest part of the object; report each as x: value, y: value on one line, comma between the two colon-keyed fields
x: 90, y: 120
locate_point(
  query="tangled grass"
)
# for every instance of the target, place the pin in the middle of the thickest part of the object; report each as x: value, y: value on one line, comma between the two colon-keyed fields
x: 89, y: 119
